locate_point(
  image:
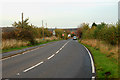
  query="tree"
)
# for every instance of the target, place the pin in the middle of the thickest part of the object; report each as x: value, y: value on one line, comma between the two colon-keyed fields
x: 25, y: 31
x: 79, y: 32
x: 84, y: 27
x: 94, y: 25
x: 59, y: 33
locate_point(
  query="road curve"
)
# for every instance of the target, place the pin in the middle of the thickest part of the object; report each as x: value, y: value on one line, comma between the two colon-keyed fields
x: 62, y: 59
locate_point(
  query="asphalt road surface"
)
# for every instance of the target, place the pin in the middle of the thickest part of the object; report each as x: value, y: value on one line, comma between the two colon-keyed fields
x: 62, y: 59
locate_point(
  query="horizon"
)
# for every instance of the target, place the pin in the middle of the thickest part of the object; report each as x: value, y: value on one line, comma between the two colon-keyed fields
x: 59, y: 13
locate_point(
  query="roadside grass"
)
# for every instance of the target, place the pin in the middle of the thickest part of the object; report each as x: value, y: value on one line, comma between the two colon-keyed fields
x: 110, y: 50
x: 106, y: 67
x: 22, y: 47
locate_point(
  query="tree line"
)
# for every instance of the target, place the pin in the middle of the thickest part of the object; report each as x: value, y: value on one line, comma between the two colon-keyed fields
x: 59, y: 32
x: 104, y: 32
x: 26, y: 31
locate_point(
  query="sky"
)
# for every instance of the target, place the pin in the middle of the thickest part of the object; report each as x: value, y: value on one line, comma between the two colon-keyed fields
x: 58, y: 13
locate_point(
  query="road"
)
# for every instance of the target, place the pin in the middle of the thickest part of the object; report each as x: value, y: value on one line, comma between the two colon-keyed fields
x: 62, y: 59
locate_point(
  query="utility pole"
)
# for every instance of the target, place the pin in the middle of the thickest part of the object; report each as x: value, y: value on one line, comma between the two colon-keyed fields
x: 43, y: 29
x: 22, y: 20
x: 46, y: 25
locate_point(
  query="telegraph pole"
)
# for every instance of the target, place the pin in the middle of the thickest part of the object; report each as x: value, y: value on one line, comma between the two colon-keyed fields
x: 43, y: 29
x: 22, y: 20
x: 46, y: 25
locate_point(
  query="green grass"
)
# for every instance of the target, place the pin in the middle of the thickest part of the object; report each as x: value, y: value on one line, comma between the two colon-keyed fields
x: 103, y: 64
x: 22, y: 47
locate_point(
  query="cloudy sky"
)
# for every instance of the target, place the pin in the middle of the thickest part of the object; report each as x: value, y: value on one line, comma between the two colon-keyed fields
x: 59, y: 13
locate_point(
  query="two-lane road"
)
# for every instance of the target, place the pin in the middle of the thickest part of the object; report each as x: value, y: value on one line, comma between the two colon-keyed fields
x: 62, y: 59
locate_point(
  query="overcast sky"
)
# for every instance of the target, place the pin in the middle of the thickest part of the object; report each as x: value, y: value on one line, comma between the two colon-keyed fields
x: 59, y: 13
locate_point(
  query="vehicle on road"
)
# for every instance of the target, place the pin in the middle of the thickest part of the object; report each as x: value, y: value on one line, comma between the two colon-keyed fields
x: 74, y: 38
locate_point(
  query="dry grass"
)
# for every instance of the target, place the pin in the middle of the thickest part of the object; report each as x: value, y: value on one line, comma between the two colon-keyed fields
x: 51, y: 38
x: 12, y: 43
x: 111, y: 51
x: 46, y: 38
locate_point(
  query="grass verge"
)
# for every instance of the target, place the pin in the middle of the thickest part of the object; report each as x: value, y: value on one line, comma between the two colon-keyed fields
x: 22, y: 47
x: 105, y: 67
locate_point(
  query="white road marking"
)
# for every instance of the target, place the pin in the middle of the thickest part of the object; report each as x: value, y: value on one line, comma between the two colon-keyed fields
x: 33, y: 66
x: 92, y: 63
x: 26, y: 52
x: 23, y: 53
x: 58, y: 51
x: 15, y: 55
x: 93, y: 77
x: 10, y: 57
x: 43, y: 61
x: 51, y: 56
x: 62, y: 46
x: 18, y: 74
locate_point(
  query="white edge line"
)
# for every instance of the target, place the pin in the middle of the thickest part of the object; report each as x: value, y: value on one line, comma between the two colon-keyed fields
x: 92, y: 63
x: 10, y: 57
x: 33, y: 66
x: 16, y: 55
x: 26, y: 52
x: 21, y: 53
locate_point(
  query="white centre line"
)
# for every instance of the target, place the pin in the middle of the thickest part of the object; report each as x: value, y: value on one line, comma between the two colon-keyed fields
x: 51, y: 56
x: 93, y: 78
x: 62, y: 47
x: 58, y: 51
x: 18, y: 74
x: 33, y: 66
x: 47, y: 58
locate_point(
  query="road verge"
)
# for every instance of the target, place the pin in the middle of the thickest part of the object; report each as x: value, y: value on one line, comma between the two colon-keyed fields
x: 23, y: 50
x: 105, y: 67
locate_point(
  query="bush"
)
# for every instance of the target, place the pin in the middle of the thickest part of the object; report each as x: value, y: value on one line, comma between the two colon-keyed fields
x: 104, y: 32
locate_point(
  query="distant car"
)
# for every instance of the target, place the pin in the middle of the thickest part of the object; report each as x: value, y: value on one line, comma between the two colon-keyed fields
x: 74, y: 38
